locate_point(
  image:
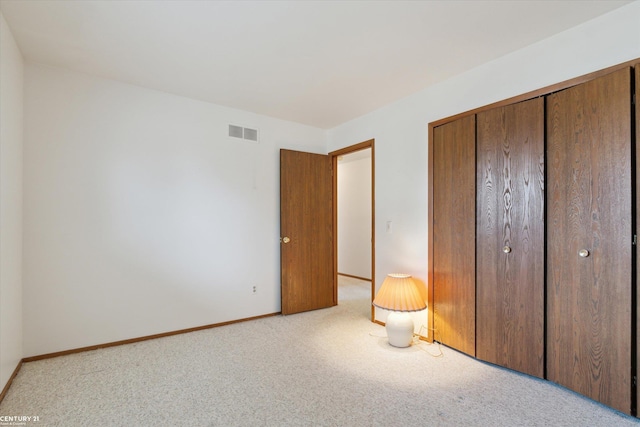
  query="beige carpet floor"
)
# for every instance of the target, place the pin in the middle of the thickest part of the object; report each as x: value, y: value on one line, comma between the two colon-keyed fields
x: 330, y: 367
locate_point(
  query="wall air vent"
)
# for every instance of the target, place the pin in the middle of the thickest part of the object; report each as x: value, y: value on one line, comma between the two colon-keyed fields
x: 235, y: 131
x: 243, y: 133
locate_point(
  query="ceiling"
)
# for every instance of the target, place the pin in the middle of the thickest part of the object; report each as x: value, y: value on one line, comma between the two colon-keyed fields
x: 319, y: 63
x: 355, y: 155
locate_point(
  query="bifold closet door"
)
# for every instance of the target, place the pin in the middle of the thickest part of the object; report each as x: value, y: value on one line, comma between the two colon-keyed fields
x: 454, y: 234
x: 589, y: 239
x: 510, y: 237
x: 637, y: 344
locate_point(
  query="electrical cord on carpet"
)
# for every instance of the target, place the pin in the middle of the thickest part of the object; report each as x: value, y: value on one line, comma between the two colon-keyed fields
x: 423, y: 345
x: 419, y: 342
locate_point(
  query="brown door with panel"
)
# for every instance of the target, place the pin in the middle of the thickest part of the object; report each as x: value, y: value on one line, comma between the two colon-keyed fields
x: 510, y: 237
x: 454, y: 301
x: 637, y: 118
x: 589, y: 239
x: 306, y: 227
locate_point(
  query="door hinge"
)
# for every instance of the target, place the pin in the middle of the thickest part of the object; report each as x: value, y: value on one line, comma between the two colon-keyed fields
x: 635, y: 239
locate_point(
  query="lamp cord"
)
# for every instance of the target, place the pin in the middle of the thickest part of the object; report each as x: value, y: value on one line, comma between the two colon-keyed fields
x: 421, y: 344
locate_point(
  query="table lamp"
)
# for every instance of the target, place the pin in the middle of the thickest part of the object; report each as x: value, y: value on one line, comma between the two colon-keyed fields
x: 399, y: 294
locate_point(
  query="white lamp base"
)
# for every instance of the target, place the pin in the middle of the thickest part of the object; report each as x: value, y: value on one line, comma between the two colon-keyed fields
x: 399, y: 327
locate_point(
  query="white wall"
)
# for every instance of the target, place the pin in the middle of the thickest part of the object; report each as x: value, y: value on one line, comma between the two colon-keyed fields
x: 354, y: 217
x: 11, y: 142
x: 141, y: 215
x: 400, y: 129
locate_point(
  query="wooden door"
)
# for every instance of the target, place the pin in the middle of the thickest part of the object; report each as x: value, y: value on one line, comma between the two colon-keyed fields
x: 306, y: 227
x: 454, y: 234
x: 589, y: 239
x: 510, y: 237
x: 637, y: 284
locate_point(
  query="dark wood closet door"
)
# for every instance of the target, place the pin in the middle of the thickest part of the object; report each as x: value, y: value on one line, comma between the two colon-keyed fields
x: 454, y: 234
x: 637, y: 344
x: 589, y: 239
x: 510, y: 237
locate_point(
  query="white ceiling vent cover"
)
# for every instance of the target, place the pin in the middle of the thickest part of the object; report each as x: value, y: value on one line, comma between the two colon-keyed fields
x: 247, y: 134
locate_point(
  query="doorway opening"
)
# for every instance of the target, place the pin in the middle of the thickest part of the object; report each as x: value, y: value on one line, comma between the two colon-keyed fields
x: 354, y: 219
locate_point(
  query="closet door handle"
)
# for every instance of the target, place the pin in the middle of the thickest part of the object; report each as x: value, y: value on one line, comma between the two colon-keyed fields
x: 506, y: 249
x: 583, y: 253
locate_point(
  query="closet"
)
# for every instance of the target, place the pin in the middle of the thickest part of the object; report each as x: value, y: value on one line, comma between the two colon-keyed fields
x: 590, y: 238
x: 534, y: 209
x: 635, y: 336
x: 510, y: 237
x: 454, y: 233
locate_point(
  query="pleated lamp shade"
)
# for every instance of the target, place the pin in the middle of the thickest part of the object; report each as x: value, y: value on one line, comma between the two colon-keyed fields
x: 399, y: 293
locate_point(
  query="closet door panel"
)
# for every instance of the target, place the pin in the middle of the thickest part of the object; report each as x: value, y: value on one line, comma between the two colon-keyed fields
x: 637, y: 118
x: 510, y: 237
x: 589, y: 239
x: 454, y: 234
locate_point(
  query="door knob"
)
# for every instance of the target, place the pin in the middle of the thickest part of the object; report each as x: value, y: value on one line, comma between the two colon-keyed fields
x: 506, y: 249
x: 286, y: 240
x: 583, y: 253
